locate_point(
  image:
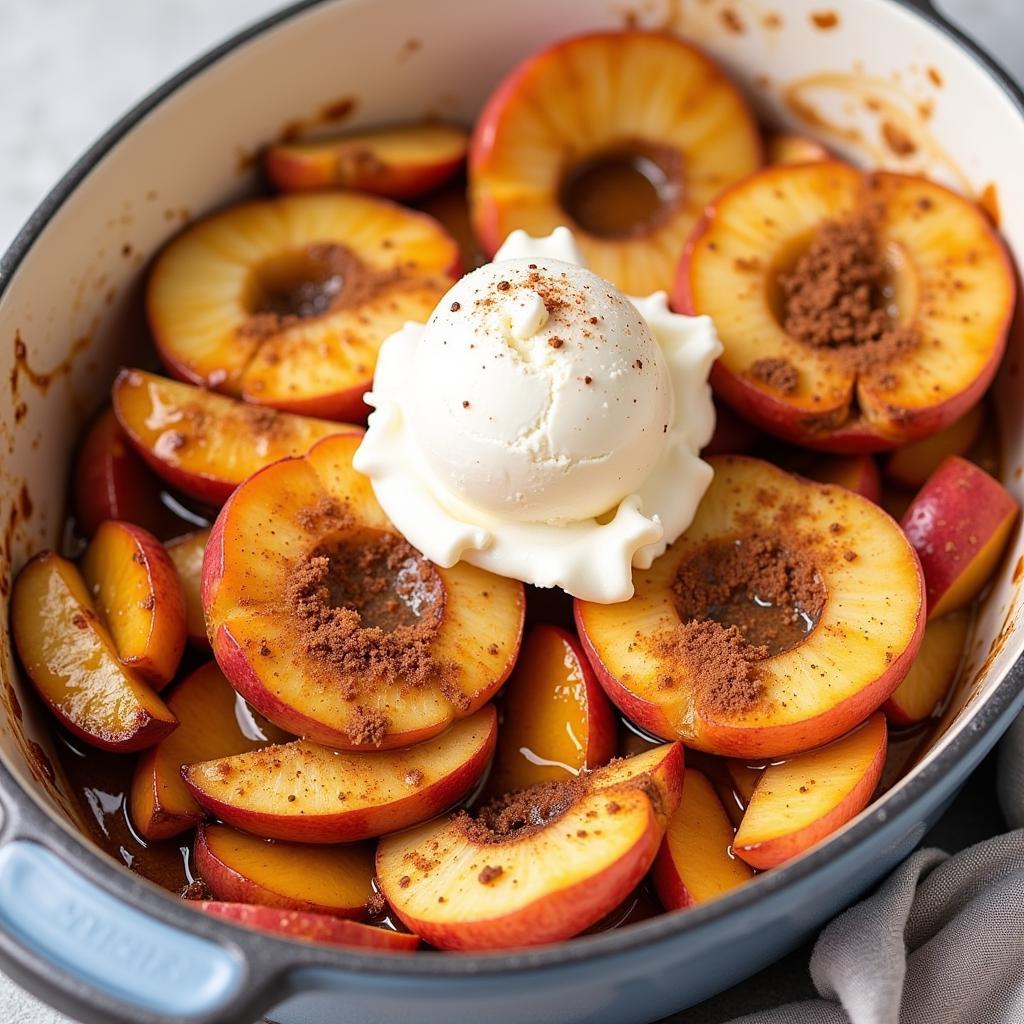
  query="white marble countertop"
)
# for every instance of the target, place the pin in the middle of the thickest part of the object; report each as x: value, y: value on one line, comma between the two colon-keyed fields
x: 68, y: 68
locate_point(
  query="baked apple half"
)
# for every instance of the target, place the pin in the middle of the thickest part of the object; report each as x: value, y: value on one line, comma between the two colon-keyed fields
x: 535, y: 866
x: 332, y: 626
x: 624, y: 136
x: 285, y: 301
x: 785, y: 614
x: 203, y: 443
x: 858, y: 311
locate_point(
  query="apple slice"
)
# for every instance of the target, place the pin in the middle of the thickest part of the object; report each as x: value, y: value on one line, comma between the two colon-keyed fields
x: 71, y: 660
x: 186, y: 552
x: 800, y: 361
x: 787, y: 148
x: 203, y: 443
x: 818, y: 585
x: 308, y: 793
x: 911, y: 465
x: 808, y: 797
x: 285, y: 301
x: 112, y: 482
x: 139, y: 595
x: 400, y: 161
x: 933, y: 672
x: 207, y: 708
x: 241, y: 868
x: 695, y: 863
x: 333, y: 627
x: 959, y: 524
x: 625, y: 136
x: 556, y: 719
x: 537, y: 866
x: 310, y: 927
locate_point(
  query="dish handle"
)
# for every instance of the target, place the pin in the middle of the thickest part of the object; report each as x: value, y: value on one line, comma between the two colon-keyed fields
x: 110, y: 949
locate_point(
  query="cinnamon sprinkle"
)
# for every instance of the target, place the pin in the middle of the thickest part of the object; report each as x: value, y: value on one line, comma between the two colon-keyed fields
x: 721, y: 662
x: 777, y: 373
x: 834, y: 297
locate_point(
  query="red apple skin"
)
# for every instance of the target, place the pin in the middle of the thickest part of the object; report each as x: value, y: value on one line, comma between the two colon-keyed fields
x: 783, y: 421
x: 112, y: 482
x: 366, y: 823
x: 959, y: 508
x: 310, y: 927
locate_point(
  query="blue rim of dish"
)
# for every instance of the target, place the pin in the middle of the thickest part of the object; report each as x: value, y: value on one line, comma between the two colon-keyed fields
x: 98, y: 866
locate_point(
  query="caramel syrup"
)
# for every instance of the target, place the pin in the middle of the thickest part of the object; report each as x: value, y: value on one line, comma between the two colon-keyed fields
x: 644, y: 182
x: 100, y: 783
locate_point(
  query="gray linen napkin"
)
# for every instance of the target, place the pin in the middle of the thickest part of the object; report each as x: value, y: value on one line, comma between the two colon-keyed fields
x: 941, y: 941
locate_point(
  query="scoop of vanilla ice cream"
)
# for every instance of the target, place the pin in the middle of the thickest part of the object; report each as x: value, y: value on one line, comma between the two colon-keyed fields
x: 541, y: 425
x: 540, y: 393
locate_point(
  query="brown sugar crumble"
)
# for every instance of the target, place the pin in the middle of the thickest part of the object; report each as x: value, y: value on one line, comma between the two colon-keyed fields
x: 367, y: 609
x: 740, y: 602
x: 376, y: 904
x: 720, y: 659
x: 835, y: 296
x: 526, y: 811
x: 777, y: 373
x: 522, y: 812
x: 196, y: 890
x: 490, y: 873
